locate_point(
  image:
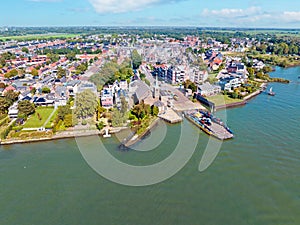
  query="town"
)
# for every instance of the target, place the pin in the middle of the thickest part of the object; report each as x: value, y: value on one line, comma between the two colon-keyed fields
x: 86, y: 84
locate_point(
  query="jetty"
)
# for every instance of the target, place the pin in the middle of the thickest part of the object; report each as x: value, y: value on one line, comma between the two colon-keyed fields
x: 170, y: 116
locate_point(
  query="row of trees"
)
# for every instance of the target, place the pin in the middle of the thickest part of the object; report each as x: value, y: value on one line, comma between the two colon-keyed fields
x: 140, y: 111
x: 112, y: 71
x: 282, y: 48
x: 11, y: 73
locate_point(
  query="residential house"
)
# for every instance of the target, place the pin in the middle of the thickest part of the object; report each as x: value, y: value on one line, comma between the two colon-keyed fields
x: 86, y: 86
x: 107, y: 98
x: 230, y: 83
x: 13, y: 111
x: 72, y: 87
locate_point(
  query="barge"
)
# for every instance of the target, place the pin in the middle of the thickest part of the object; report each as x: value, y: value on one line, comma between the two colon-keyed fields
x: 209, y: 124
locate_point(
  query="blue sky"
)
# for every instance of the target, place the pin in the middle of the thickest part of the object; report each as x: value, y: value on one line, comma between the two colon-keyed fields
x: 221, y: 13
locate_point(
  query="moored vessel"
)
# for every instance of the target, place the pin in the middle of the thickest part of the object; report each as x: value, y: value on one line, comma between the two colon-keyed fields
x: 210, y: 124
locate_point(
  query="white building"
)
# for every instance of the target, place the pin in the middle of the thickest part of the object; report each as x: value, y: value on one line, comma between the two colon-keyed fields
x: 208, y: 89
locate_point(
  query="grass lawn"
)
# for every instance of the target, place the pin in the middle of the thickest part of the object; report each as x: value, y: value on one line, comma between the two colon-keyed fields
x: 222, y: 99
x: 49, y: 124
x: 34, y: 122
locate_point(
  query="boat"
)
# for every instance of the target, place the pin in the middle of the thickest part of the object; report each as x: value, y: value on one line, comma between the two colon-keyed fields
x: 210, y: 124
x: 270, y: 92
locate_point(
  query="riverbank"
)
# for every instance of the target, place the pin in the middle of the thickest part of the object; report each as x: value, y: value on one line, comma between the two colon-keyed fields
x: 245, y: 99
x: 61, y: 135
x: 132, y: 140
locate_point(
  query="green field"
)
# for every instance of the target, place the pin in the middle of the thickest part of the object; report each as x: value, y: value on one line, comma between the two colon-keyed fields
x: 222, y: 99
x: 37, y: 37
x: 34, y: 122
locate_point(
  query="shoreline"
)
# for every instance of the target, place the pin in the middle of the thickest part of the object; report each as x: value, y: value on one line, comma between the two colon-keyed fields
x: 136, y: 138
x: 69, y: 135
x: 126, y: 143
x: 245, y: 99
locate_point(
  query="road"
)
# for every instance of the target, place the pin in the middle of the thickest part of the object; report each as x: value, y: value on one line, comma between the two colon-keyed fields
x: 95, y: 68
x: 148, y: 75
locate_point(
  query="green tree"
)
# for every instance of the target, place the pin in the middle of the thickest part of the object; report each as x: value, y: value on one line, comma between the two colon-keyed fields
x: 100, y: 125
x: 154, y: 110
x: 71, y: 56
x: 26, y: 50
x: 61, y: 72
x: 124, y: 105
x: 251, y: 72
x: 68, y: 120
x: 63, y: 111
x: 33, y: 91
x: 26, y: 107
x: 4, y: 105
x: 100, y: 110
x: 193, y: 87
x: 46, y: 90
x: 11, y: 96
x: 117, y: 118
x: 81, y: 68
x: 86, y: 104
x: 136, y: 59
x: 11, y: 73
x: 53, y: 57
x: 34, y: 72
x: 141, y: 110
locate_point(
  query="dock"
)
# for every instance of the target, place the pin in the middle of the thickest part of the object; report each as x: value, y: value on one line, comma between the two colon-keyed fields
x: 215, y: 128
x: 170, y: 116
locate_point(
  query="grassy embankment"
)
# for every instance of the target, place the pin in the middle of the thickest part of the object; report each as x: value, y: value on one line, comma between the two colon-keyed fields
x: 223, y: 100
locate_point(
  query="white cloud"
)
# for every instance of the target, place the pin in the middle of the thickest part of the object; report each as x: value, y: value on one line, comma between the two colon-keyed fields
x: 291, y: 16
x: 232, y: 13
x: 253, y: 16
x: 120, y: 6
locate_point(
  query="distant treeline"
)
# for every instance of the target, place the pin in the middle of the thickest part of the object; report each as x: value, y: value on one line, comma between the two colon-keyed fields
x: 177, y: 32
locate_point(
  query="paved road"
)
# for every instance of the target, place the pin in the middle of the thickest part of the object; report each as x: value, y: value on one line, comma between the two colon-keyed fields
x: 95, y: 68
x: 148, y: 75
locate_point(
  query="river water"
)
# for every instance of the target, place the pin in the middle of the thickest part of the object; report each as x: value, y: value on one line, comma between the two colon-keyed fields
x: 254, y: 179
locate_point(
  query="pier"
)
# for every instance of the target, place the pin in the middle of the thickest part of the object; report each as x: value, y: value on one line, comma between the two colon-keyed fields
x: 171, y: 116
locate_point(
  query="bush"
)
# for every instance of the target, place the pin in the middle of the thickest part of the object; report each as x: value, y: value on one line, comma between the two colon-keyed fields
x: 4, y: 120
x: 100, y: 125
x: 83, y: 122
x: 17, y: 128
x: 4, y: 134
